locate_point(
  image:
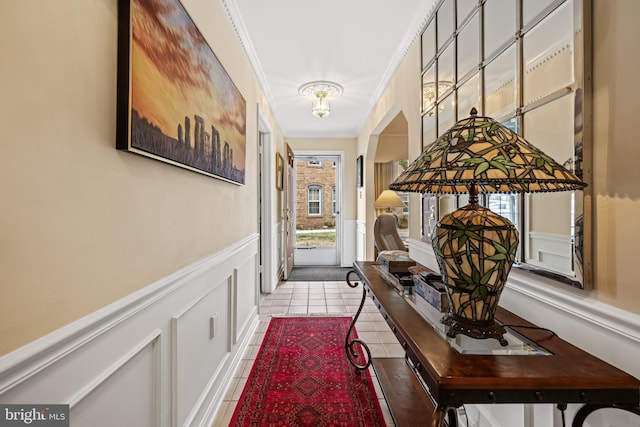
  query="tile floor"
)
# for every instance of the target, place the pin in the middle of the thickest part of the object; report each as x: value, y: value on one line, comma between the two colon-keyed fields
x: 314, y: 298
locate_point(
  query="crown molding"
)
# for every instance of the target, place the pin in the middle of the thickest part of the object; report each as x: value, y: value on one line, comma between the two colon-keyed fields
x: 235, y: 18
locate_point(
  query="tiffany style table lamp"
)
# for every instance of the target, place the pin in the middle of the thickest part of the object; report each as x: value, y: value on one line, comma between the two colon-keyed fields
x: 474, y: 246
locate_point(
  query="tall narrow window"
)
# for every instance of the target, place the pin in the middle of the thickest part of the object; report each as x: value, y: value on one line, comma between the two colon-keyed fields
x: 314, y: 200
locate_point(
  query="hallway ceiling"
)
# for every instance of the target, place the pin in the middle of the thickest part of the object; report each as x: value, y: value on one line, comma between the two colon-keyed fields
x: 355, y: 43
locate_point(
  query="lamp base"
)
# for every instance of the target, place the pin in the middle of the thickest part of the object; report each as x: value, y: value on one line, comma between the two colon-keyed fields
x: 479, y: 329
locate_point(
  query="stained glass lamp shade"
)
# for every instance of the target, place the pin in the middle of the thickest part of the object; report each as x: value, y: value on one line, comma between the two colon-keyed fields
x: 474, y: 246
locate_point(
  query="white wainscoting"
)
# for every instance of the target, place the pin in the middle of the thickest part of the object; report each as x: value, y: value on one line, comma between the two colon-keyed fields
x: 349, y: 242
x: 600, y: 329
x: 277, y: 237
x: 549, y: 251
x: 361, y: 240
x: 162, y: 356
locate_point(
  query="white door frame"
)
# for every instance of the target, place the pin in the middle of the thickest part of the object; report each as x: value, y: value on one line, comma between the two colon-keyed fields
x: 266, y: 174
x: 339, y: 195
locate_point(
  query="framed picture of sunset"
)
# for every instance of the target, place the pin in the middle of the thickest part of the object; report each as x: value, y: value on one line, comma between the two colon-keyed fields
x: 176, y: 103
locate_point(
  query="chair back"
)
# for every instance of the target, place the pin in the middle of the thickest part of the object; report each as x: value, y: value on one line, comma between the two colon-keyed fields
x: 386, y: 235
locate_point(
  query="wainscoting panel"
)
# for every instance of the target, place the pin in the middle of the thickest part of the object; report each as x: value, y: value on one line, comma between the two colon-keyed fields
x: 550, y: 251
x: 162, y: 356
x: 247, y: 296
x: 200, y: 341
x: 361, y: 240
x: 109, y: 396
x: 349, y: 244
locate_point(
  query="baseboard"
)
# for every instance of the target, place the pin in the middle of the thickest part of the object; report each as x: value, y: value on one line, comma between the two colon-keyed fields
x: 161, y: 356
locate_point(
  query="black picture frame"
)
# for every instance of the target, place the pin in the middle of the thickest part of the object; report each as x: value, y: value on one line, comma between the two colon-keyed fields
x: 175, y: 101
x: 359, y: 172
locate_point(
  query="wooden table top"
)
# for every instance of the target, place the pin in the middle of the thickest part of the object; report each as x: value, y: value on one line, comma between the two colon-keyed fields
x: 567, y: 375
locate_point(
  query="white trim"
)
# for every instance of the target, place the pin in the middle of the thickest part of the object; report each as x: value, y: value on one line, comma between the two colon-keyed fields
x: 267, y: 198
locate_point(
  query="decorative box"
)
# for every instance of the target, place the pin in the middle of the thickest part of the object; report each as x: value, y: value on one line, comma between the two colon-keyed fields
x: 431, y: 291
x: 395, y: 261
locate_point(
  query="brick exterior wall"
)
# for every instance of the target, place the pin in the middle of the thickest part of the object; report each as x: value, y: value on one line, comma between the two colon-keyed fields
x: 323, y: 176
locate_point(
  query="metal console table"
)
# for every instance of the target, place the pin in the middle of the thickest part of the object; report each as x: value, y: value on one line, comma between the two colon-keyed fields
x: 563, y: 374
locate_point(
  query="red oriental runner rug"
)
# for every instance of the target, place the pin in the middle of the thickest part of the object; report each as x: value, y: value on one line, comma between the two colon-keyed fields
x: 301, y: 377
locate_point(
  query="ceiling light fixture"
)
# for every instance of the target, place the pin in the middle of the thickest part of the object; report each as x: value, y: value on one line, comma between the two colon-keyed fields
x: 321, y: 90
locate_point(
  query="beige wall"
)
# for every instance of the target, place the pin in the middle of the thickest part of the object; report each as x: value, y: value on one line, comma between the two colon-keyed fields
x: 81, y: 224
x: 616, y: 177
x: 400, y: 96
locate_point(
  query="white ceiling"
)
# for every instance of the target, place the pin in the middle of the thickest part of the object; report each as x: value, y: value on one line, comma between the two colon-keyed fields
x: 355, y: 43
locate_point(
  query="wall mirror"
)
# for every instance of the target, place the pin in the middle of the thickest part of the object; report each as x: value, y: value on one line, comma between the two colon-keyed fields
x: 526, y: 64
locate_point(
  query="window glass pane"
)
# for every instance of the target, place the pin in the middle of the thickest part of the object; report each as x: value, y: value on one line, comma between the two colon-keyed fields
x: 469, y: 96
x: 429, y: 43
x: 548, y: 55
x: 314, y: 200
x: 445, y: 22
x: 505, y: 205
x: 550, y: 216
x: 446, y: 114
x: 464, y: 9
x: 550, y: 128
x: 428, y: 128
x: 446, y: 67
x: 499, y: 85
x: 532, y: 8
x: 428, y: 89
x: 499, y: 24
x: 469, y: 47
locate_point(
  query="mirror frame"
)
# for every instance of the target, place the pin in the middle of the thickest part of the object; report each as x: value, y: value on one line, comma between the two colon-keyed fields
x: 581, y: 275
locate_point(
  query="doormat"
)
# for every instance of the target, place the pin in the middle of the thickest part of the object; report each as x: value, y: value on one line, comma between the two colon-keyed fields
x: 301, y: 377
x: 319, y: 274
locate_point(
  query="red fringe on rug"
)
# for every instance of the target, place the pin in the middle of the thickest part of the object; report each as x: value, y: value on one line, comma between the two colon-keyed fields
x: 301, y: 377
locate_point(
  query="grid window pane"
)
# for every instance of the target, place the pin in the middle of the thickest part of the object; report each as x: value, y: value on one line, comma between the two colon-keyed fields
x: 445, y: 22
x: 469, y: 96
x: 429, y: 43
x: 428, y: 128
x: 549, y: 66
x: 499, y: 24
x: 532, y: 8
x: 429, y: 91
x: 499, y: 85
x: 469, y: 47
x: 446, y: 114
x: 464, y: 9
x: 446, y: 65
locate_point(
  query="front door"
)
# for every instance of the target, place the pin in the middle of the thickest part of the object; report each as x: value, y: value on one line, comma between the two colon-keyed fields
x: 317, y: 212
